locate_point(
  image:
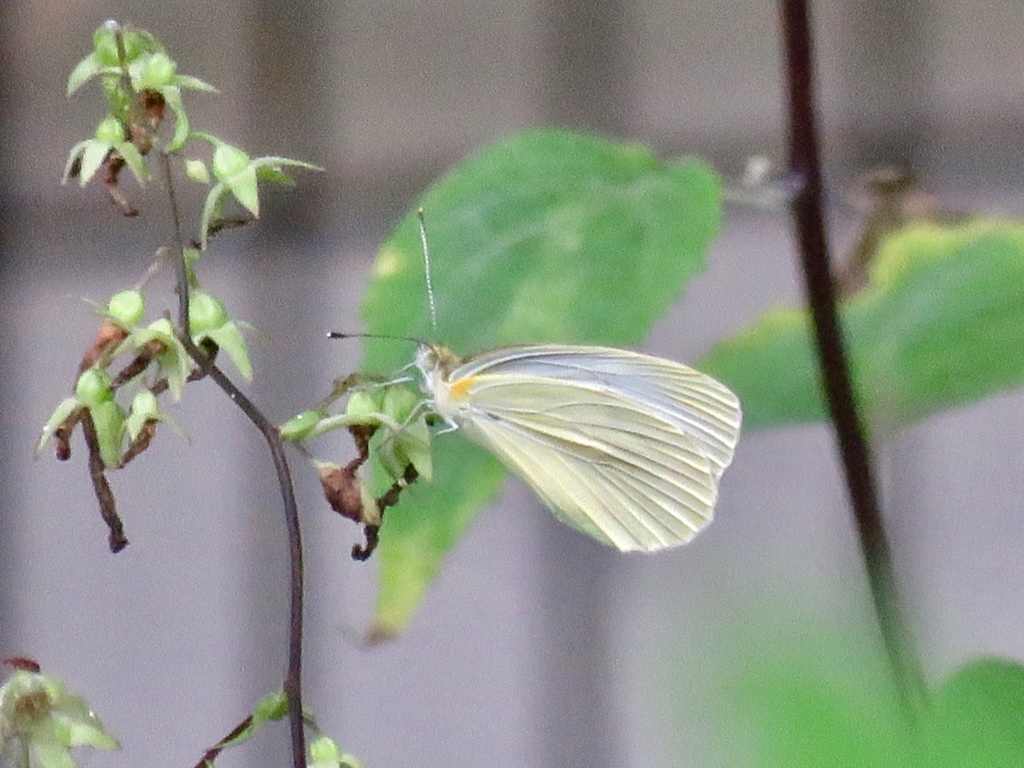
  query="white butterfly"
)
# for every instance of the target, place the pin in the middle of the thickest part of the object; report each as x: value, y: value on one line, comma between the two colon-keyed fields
x: 626, y: 447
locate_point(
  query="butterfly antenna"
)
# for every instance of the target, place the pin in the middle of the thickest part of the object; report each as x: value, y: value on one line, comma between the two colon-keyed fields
x: 426, y: 269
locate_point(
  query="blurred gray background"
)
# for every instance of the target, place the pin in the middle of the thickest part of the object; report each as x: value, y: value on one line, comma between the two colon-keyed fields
x: 536, y: 647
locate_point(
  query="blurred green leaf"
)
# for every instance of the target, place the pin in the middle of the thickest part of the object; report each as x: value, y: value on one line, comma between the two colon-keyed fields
x: 976, y: 718
x: 798, y: 695
x: 548, y: 236
x: 804, y: 706
x: 940, y: 324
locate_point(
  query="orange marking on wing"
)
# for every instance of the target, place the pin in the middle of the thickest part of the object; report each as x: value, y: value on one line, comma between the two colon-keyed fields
x: 460, y: 389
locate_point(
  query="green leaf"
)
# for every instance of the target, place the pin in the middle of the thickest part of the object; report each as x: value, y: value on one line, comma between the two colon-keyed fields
x: 426, y: 525
x: 549, y: 236
x: 807, y: 697
x: 976, y: 718
x: 940, y: 324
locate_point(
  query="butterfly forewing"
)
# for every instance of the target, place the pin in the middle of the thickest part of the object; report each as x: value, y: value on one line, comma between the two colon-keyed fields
x: 626, y: 447
x: 704, y: 408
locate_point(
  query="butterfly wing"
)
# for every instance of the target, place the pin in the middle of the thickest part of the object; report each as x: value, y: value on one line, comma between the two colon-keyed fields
x: 705, y: 409
x: 600, y: 448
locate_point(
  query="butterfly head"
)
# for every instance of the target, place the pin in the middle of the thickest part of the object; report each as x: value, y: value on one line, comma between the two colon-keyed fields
x: 435, y: 363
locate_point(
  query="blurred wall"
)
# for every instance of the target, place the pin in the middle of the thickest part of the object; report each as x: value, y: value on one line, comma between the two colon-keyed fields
x: 536, y: 647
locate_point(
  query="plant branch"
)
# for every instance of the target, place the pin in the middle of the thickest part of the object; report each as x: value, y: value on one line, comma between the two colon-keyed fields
x: 214, y: 752
x: 101, y: 487
x: 293, y: 680
x: 805, y: 167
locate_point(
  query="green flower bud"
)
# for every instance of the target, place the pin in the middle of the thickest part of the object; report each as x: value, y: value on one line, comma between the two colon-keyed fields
x: 205, y: 313
x: 229, y: 160
x: 93, y: 388
x: 110, y: 131
x: 104, y: 42
x: 197, y: 171
x: 126, y: 308
x: 297, y: 427
x: 362, y: 404
x: 157, y: 71
x: 145, y: 406
x: 324, y: 752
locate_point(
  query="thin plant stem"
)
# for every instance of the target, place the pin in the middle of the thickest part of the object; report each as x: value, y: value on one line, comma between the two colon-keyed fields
x: 805, y: 168
x: 293, y: 680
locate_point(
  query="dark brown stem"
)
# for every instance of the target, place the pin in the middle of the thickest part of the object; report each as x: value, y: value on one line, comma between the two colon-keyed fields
x: 213, y: 752
x: 389, y: 499
x: 101, y: 487
x: 805, y: 167
x: 293, y: 680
